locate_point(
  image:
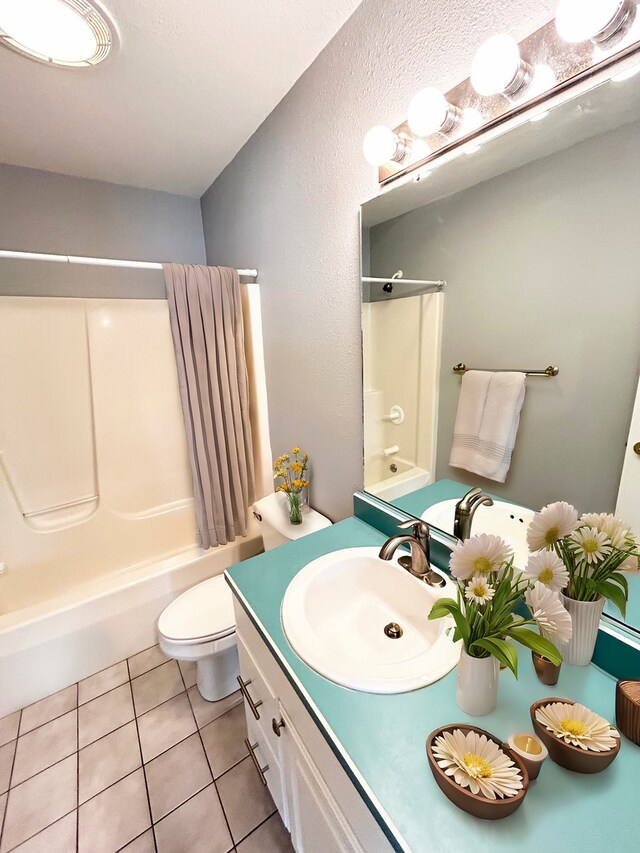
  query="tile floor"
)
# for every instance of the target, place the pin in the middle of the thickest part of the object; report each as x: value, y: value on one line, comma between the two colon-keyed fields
x: 133, y: 759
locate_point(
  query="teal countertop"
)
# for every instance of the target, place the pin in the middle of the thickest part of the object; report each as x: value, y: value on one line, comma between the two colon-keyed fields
x: 384, y: 735
x: 416, y: 502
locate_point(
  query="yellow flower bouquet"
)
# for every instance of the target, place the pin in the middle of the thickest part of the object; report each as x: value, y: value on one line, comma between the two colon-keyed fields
x: 292, y: 473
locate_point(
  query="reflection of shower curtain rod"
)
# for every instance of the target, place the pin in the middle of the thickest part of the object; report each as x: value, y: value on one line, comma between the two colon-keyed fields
x: 98, y: 262
x: 439, y: 284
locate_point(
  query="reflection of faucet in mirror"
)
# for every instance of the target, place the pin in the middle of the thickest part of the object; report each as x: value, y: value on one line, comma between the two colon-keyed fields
x: 465, y: 510
x: 418, y: 561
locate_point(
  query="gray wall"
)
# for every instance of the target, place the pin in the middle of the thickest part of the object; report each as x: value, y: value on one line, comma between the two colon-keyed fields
x: 59, y: 214
x: 542, y: 267
x: 288, y: 204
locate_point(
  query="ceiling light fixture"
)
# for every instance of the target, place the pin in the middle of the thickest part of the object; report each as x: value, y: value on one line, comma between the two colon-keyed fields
x: 430, y: 112
x: 592, y: 20
x: 498, y: 68
x: 381, y: 145
x: 72, y: 33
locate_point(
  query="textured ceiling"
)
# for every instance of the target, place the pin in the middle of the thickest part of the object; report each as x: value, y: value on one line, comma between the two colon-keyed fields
x: 190, y: 83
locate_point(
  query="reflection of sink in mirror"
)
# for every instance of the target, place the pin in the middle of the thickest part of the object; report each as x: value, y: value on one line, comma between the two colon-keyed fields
x: 335, y: 612
x: 503, y: 519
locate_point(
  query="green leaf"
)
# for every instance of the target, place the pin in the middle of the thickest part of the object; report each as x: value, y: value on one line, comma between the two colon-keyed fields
x: 449, y: 607
x: 613, y: 593
x: 619, y: 578
x: 536, y: 643
x: 442, y: 607
x: 500, y: 649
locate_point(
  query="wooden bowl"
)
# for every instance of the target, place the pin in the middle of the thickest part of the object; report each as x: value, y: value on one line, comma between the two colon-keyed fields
x: 476, y: 804
x: 628, y: 708
x: 565, y: 754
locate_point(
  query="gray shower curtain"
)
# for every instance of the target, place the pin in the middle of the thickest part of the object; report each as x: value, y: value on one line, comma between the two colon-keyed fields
x: 208, y: 338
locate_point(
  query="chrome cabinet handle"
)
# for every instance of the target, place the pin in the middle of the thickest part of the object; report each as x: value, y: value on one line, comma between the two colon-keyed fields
x: 276, y: 726
x: 261, y: 770
x: 253, y: 705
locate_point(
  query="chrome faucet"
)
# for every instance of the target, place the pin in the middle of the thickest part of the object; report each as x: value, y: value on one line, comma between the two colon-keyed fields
x: 465, y: 510
x: 418, y: 561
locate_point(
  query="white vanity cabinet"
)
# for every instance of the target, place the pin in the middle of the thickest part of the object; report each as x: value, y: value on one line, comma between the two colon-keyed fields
x: 316, y: 799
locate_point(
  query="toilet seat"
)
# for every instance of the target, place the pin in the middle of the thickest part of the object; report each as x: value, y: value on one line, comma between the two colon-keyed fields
x: 202, y: 614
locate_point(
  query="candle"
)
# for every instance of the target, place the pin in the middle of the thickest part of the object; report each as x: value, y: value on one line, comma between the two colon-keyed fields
x: 531, y: 750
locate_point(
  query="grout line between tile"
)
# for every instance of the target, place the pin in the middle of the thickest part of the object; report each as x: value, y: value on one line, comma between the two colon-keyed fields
x: 48, y: 767
x: 6, y: 804
x: 233, y: 766
x: 124, y: 846
x: 256, y: 828
x: 144, y: 771
x: 215, y: 787
x: 57, y: 820
x: 57, y: 717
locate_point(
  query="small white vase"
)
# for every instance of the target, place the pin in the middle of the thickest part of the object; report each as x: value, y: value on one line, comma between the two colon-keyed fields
x: 477, y: 688
x: 585, y: 619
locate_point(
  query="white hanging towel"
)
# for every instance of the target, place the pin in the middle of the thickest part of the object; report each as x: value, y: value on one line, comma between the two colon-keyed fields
x: 487, y: 422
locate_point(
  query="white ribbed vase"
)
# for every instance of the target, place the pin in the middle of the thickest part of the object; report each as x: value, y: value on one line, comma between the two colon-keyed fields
x: 585, y: 619
x: 477, y: 688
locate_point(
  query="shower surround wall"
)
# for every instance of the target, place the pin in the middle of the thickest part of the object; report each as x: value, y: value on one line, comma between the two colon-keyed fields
x: 289, y: 202
x: 94, y: 473
x: 401, y: 346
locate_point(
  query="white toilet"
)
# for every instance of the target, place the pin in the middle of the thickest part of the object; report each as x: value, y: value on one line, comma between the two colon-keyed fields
x: 199, y: 625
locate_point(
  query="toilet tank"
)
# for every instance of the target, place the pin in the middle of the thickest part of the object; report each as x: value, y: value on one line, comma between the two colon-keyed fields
x: 272, y: 513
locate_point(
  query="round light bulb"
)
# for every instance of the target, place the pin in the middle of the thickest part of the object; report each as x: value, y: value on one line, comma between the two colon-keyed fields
x: 60, y: 32
x: 429, y: 112
x: 497, y: 67
x: 596, y: 20
x: 381, y: 145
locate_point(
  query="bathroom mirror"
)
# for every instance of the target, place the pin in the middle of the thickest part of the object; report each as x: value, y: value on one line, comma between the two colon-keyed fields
x: 534, y: 235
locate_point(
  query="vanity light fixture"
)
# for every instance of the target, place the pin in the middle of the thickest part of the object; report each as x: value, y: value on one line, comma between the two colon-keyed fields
x: 511, y: 84
x: 593, y: 20
x: 430, y: 112
x: 381, y: 145
x: 498, y: 68
x: 72, y: 33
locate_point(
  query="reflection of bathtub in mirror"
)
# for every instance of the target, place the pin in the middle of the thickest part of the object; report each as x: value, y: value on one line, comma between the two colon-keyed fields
x: 407, y: 478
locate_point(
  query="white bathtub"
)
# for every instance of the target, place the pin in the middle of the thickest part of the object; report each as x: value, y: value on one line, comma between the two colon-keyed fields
x: 408, y: 479
x: 52, y: 644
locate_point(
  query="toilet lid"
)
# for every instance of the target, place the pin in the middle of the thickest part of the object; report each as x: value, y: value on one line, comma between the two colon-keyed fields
x: 203, y: 612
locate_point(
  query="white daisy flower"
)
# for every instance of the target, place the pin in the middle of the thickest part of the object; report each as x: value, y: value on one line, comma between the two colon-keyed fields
x: 478, y: 590
x: 477, y: 763
x: 554, y: 621
x: 547, y: 568
x: 479, y: 555
x: 590, y: 545
x: 578, y: 726
x: 551, y: 524
x: 604, y: 522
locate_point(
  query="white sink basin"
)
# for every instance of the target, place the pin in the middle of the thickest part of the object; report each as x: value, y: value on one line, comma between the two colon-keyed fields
x: 503, y: 519
x: 334, y: 615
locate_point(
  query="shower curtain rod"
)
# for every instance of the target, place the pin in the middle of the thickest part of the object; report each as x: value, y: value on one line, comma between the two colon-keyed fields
x: 98, y: 262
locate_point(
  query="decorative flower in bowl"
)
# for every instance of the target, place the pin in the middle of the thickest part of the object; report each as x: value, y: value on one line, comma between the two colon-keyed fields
x: 577, y: 738
x: 472, y: 768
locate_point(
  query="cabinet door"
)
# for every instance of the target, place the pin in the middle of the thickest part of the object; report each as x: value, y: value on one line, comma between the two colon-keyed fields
x: 316, y: 823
